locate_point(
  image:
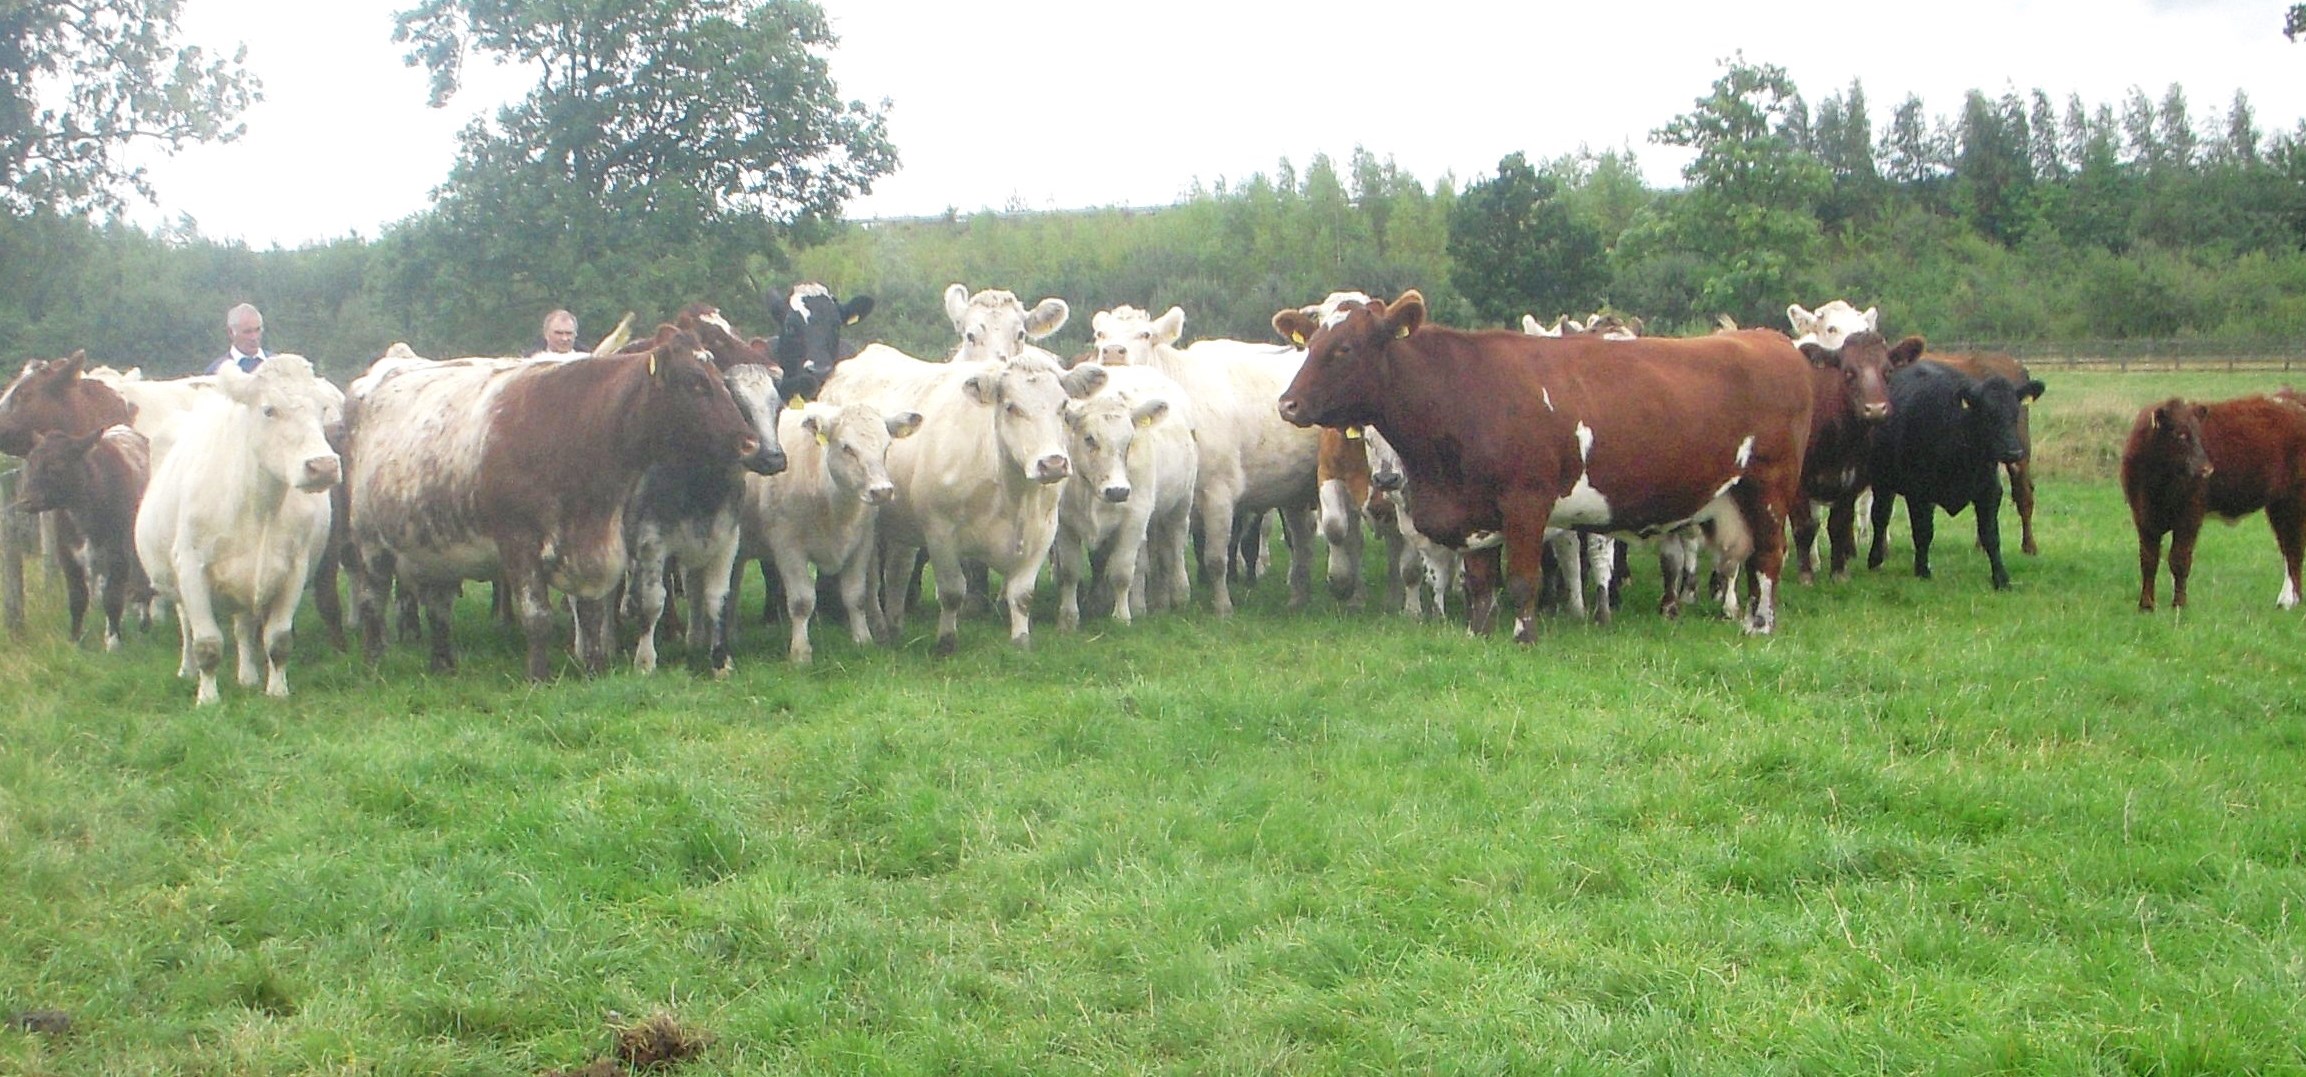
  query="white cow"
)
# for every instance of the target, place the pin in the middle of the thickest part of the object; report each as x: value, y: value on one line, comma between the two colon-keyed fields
x: 1251, y: 460
x: 994, y: 324
x: 980, y: 481
x: 237, y: 517
x: 821, y: 510
x: 1832, y: 323
x: 1130, y: 498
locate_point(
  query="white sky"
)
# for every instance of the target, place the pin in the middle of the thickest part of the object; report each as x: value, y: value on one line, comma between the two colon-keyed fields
x: 1078, y: 103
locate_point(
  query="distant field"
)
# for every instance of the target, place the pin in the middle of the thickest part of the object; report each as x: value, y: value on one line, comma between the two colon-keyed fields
x: 1926, y: 828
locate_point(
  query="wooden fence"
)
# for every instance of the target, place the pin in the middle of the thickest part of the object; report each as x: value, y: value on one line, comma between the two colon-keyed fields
x: 2146, y: 355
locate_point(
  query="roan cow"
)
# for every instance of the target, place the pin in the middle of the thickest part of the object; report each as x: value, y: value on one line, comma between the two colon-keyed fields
x: 2232, y: 458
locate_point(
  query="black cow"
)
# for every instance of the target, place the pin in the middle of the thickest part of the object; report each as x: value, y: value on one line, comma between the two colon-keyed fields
x: 809, y: 336
x: 1943, y: 445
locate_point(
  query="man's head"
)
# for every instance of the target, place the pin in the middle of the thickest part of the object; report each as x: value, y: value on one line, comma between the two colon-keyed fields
x: 560, y: 330
x: 246, y: 328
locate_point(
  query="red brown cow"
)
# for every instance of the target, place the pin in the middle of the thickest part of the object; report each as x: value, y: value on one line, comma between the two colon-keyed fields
x: 1850, y: 397
x: 50, y: 395
x: 2232, y: 458
x: 471, y: 469
x: 94, y: 482
x: 1505, y: 432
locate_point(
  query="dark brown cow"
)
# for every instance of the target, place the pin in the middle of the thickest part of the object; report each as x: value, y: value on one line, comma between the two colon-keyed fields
x: 464, y: 470
x: 2232, y: 458
x: 1850, y: 397
x: 94, y: 481
x: 1505, y: 432
x: 51, y: 396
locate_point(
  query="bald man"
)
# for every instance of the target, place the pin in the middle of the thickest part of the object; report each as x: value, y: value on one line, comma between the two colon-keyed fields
x: 245, y: 327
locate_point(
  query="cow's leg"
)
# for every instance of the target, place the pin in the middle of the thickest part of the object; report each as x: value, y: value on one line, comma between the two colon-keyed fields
x: 326, y: 597
x: 2288, y: 518
x: 1841, y: 535
x: 1675, y: 572
x: 1922, y: 517
x: 437, y: 604
x: 596, y: 631
x: 1879, y: 549
x: 1805, y: 526
x: 1525, y: 514
x: 1760, y: 549
x: 248, y: 648
x: 371, y: 586
x: 1563, y: 551
x: 791, y: 572
x: 1072, y: 563
x: 952, y: 595
x: 1297, y: 534
x: 111, y: 588
x: 709, y: 596
x: 1217, y: 548
x: 1484, y: 571
x: 204, y: 640
x: 646, y: 589
x: 1121, y: 562
x: 278, y: 625
x: 2182, y: 558
x: 1017, y: 594
x: 71, y: 564
x: 897, y: 562
x: 2149, y: 565
x: 1388, y: 528
x: 1341, y: 529
x: 408, y: 605
x: 1989, y: 510
x: 2022, y: 495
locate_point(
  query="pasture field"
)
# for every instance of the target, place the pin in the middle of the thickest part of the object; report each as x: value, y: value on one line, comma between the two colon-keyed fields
x: 1925, y: 828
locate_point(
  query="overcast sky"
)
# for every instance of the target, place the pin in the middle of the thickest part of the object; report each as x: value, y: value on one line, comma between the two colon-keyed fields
x: 1067, y: 104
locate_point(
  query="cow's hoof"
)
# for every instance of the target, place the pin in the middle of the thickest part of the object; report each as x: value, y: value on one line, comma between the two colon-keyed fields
x: 945, y: 646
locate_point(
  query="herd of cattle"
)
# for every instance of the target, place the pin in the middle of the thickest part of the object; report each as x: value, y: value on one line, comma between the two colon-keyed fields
x: 1480, y: 459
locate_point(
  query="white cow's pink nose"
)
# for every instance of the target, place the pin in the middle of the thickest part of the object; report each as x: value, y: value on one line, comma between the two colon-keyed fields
x: 1052, y: 468
x: 321, y: 472
x: 880, y: 493
x: 1115, y: 493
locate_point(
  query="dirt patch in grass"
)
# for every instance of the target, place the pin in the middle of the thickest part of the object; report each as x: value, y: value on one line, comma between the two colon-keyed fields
x: 659, y: 1042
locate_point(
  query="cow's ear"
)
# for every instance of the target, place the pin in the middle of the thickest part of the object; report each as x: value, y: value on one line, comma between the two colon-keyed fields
x: 1906, y: 351
x: 2033, y: 390
x: 1148, y: 412
x: 1082, y: 382
x: 1046, y: 317
x: 982, y: 389
x: 855, y: 309
x: 1820, y: 355
x: 1294, y: 325
x: 903, y: 424
x: 2201, y: 412
x: 1405, y: 314
x: 1072, y: 413
x: 76, y: 363
x: 1873, y: 318
x: 957, y: 303
x: 1802, y: 321
x: 1169, y: 326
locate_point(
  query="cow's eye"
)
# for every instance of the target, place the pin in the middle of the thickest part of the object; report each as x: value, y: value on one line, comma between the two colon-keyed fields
x: 271, y: 412
x: 1091, y: 443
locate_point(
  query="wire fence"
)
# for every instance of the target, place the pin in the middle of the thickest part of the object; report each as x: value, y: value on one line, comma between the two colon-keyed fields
x: 2120, y: 356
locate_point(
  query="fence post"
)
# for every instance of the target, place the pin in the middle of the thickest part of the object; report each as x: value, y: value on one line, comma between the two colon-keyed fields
x: 12, y: 534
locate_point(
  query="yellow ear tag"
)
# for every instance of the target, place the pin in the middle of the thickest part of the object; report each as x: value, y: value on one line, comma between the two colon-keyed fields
x: 796, y: 402
x: 1298, y: 339
x: 853, y: 319
x: 822, y: 439
x: 1353, y: 433
x: 1145, y: 422
x: 1402, y: 332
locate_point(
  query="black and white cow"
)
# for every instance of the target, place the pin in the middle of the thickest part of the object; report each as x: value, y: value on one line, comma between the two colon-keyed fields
x: 809, y: 336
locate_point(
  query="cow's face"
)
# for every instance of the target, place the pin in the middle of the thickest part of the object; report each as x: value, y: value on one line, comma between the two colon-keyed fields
x: 1100, y: 434
x: 283, y: 421
x: 994, y: 325
x: 1832, y: 324
x: 694, y: 410
x: 1027, y: 395
x: 1342, y: 382
x: 1864, y: 362
x: 754, y: 389
x: 1126, y: 336
x: 1992, y: 408
x: 809, y: 334
x: 51, y: 394
x: 855, y: 440
x: 2173, y: 430
x: 56, y: 470
x: 1384, y: 463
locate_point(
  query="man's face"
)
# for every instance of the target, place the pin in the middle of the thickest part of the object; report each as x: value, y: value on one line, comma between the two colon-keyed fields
x: 560, y: 335
x: 248, y: 335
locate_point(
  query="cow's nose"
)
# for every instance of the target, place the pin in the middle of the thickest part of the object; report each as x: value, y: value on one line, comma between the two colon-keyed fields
x: 322, y: 472
x: 1116, y: 494
x: 1875, y: 412
x: 772, y: 459
x: 880, y: 493
x: 1386, y: 480
x: 1052, y: 468
x: 1291, y: 410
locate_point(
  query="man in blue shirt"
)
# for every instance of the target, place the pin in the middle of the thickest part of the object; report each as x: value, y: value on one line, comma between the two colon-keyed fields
x: 246, y: 328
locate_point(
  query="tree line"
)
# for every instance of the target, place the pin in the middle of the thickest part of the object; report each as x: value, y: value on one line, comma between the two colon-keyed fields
x: 2018, y: 217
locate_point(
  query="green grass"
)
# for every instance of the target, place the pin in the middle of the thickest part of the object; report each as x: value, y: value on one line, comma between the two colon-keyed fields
x: 1926, y: 828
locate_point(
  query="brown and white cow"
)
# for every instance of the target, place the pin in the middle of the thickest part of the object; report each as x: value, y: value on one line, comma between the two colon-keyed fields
x: 2184, y: 461
x: 54, y: 396
x: 237, y: 516
x: 1505, y: 432
x: 95, y: 481
x: 1850, y: 398
x: 480, y: 469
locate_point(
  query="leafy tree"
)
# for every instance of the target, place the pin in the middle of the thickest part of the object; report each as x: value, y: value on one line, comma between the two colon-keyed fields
x: 666, y: 148
x: 2175, y: 130
x: 82, y: 80
x: 1751, y: 210
x: 1518, y: 249
x: 1993, y: 170
x: 1845, y: 144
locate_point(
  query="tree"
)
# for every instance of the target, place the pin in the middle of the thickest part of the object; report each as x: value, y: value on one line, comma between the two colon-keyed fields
x: 82, y: 81
x: 666, y: 149
x: 1519, y: 250
x: 1993, y: 167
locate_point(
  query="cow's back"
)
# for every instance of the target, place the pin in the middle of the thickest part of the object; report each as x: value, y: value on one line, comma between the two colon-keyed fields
x: 418, y: 439
x: 2257, y: 450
